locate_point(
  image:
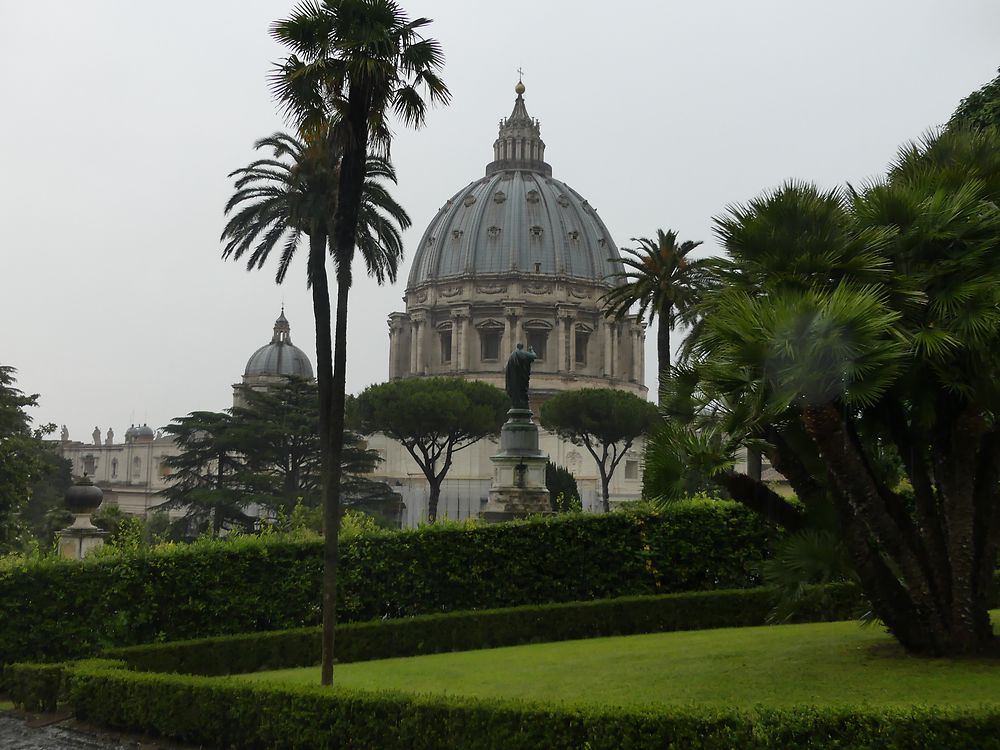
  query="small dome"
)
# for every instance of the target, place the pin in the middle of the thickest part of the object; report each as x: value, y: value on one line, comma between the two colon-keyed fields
x: 281, y: 356
x: 144, y: 431
x: 131, y: 433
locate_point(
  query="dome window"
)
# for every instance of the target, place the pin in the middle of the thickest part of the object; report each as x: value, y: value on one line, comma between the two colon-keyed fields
x: 499, y: 197
x: 489, y: 340
x: 574, y: 235
x: 563, y: 201
x: 533, y: 196
x: 444, y: 336
x: 493, y: 232
x: 582, y: 338
x: 469, y: 200
x: 537, y: 340
x: 456, y: 234
x: 536, y: 231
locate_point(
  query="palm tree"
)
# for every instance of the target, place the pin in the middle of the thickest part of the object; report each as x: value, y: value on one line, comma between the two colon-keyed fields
x: 663, y: 281
x: 352, y: 62
x: 294, y: 194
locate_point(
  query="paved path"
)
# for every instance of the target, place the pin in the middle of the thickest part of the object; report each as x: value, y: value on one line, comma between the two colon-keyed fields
x: 16, y: 735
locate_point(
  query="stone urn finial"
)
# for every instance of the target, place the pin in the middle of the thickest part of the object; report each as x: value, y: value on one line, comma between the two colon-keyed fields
x: 82, y: 498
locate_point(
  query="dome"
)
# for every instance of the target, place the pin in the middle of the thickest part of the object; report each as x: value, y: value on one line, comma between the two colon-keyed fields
x: 144, y: 431
x: 280, y: 356
x: 517, y: 218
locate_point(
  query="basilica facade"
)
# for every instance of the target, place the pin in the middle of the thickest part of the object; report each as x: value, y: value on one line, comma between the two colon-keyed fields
x: 517, y: 256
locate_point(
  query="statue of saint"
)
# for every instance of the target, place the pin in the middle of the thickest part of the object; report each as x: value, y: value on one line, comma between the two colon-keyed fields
x: 97, y: 436
x: 110, y: 439
x: 518, y: 374
x: 64, y: 434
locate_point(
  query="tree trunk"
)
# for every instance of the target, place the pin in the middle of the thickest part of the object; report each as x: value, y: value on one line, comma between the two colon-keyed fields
x: 761, y: 499
x: 432, y: 501
x: 663, y: 351
x: 324, y: 381
x: 891, y: 557
x: 345, y: 227
x: 605, y: 488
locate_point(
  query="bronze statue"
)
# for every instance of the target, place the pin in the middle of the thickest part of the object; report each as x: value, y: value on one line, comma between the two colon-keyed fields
x: 518, y: 374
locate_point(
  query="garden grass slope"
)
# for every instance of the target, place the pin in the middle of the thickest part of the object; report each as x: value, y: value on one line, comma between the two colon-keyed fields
x: 821, y: 664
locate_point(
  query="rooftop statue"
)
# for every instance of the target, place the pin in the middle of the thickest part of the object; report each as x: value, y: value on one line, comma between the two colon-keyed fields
x: 518, y: 374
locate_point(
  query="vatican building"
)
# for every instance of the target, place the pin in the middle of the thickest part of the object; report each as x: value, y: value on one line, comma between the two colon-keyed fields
x: 516, y: 256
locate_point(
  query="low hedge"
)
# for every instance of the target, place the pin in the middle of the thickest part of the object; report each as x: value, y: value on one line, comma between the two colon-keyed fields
x: 463, y: 631
x: 223, y: 712
x: 54, y: 609
x: 40, y: 686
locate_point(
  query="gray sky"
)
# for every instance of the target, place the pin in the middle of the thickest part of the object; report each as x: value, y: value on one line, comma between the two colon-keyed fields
x: 122, y: 119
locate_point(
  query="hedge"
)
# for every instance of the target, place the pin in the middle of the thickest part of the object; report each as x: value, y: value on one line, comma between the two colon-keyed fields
x: 468, y: 630
x: 224, y: 712
x: 53, y: 609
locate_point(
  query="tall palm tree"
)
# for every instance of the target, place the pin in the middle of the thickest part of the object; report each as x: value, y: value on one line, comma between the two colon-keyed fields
x: 293, y: 194
x: 353, y: 63
x: 661, y: 279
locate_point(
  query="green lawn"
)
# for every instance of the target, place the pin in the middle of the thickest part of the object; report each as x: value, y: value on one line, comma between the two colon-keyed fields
x: 822, y: 663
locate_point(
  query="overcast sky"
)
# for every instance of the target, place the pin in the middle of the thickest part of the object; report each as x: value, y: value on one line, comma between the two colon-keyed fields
x: 121, y: 120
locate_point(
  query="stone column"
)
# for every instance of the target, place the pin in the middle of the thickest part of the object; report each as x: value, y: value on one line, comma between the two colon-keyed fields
x: 393, y: 348
x: 642, y: 355
x: 563, y: 322
x: 572, y: 345
x: 634, y: 336
x: 506, y: 345
x: 456, y: 322
x: 413, y: 347
x: 608, y: 360
x: 419, y: 326
x: 466, y: 343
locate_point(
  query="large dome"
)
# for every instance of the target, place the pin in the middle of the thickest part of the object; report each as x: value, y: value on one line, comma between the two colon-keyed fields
x: 517, y: 218
x: 281, y: 356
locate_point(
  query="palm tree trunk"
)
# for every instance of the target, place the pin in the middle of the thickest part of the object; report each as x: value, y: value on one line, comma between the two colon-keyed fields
x: 324, y: 381
x: 345, y: 226
x: 924, y: 618
x: 662, y: 351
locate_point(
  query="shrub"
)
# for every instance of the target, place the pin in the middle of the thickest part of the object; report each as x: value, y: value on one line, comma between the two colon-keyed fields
x: 53, y: 609
x: 461, y: 631
x: 227, y: 713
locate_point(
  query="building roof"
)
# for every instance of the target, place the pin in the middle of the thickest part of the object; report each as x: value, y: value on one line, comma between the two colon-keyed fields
x: 280, y: 356
x: 516, y: 218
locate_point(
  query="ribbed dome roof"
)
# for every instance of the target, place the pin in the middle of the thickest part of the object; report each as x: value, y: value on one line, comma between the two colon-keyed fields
x: 281, y: 356
x: 516, y: 218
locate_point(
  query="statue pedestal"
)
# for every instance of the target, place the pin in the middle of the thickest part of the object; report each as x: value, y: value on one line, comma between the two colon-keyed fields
x: 518, y: 488
x: 77, y: 540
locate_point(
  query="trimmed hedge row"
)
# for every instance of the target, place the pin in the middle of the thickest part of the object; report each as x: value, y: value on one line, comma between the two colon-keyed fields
x: 223, y: 712
x: 54, y: 609
x: 463, y: 631
x: 37, y: 687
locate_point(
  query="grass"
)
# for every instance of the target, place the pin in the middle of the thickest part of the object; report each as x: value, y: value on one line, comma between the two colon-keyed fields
x: 819, y: 664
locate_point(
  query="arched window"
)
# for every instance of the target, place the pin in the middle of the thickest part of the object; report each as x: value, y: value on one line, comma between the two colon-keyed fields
x: 136, y: 467
x: 444, y: 334
x: 536, y: 334
x: 490, y: 334
x: 582, y: 339
x: 114, y: 468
